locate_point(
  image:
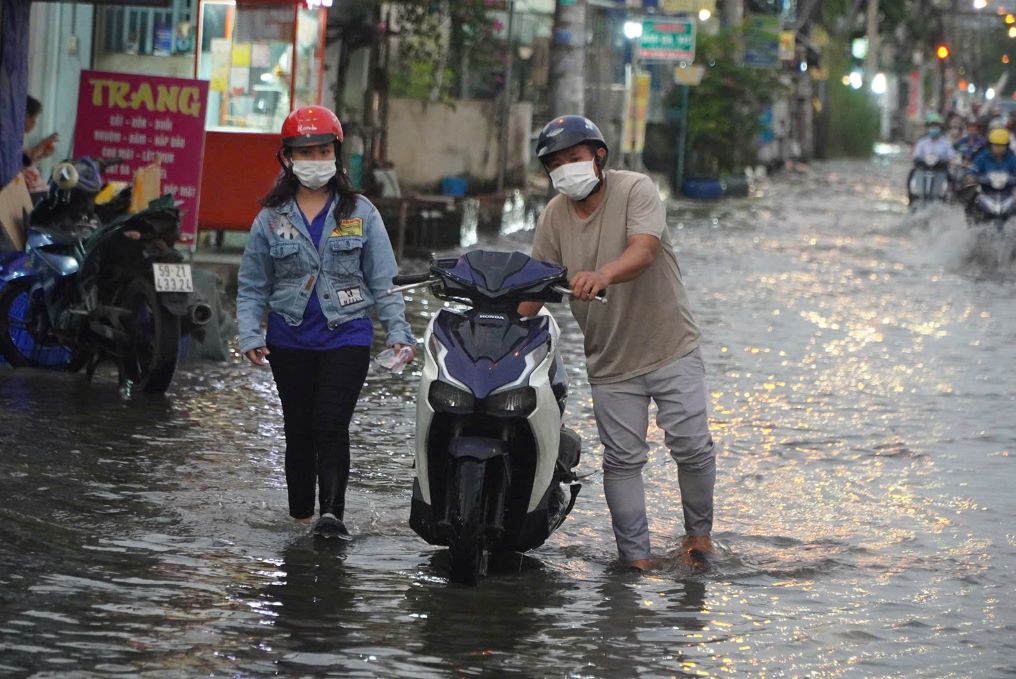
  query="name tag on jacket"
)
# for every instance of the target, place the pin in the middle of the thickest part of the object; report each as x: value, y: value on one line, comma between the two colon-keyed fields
x: 349, y: 227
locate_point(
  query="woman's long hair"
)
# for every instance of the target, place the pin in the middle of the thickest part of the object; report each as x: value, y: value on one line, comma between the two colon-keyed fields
x: 287, y: 185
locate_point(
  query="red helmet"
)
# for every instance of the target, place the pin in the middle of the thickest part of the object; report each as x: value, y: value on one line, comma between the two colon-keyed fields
x: 310, y: 126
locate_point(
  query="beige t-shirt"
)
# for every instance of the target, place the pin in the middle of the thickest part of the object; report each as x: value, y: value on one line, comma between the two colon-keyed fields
x: 646, y: 322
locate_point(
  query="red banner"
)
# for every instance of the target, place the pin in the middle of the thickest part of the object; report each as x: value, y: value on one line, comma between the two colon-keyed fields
x: 134, y: 120
x: 915, y: 96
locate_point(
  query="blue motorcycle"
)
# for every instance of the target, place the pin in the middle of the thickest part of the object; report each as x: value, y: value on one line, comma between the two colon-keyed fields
x: 98, y: 285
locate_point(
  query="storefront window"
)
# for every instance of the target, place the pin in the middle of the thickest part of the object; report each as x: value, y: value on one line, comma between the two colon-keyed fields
x: 246, y: 53
x: 150, y: 40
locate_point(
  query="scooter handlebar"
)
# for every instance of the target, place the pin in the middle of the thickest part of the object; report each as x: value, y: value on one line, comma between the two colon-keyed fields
x: 601, y: 296
x: 410, y: 279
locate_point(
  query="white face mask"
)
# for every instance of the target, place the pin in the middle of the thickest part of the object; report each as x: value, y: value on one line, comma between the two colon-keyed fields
x: 575, y: 180
x: 314, y: 173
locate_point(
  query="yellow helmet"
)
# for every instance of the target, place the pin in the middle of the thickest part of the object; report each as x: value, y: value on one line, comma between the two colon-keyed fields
x: 999, y: 136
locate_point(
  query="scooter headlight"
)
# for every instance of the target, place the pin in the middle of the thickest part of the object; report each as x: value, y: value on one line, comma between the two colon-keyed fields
x: 513, y: 403
x: 445, y: 398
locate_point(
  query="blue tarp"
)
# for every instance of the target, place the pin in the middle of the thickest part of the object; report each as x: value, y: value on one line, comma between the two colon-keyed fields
x: 13, y: 84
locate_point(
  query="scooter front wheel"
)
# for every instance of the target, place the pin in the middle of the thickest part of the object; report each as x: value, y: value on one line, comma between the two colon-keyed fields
x: 469, y: 548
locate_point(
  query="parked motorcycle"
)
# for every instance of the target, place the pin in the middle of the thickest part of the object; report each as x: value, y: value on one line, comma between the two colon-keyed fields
x: 495, y: 468
x: 929, y: 181
x: 995, y: 200
x: 94, y: 290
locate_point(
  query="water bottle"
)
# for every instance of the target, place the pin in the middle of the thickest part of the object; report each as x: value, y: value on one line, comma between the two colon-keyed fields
x: 394, y: 361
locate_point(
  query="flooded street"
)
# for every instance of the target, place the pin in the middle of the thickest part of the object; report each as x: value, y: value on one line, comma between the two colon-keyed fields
x: 860, y: 362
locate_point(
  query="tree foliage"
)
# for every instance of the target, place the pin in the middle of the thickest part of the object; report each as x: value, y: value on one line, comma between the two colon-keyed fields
x: 724, y: 110
x: 853, y: 116
x: 441, y: 41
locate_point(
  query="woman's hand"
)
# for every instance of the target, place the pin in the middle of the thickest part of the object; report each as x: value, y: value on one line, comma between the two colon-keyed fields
x: 412, y: 351
x: 258, y: 356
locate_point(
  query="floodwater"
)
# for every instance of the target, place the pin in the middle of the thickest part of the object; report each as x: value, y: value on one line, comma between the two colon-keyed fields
x: 860, y: 365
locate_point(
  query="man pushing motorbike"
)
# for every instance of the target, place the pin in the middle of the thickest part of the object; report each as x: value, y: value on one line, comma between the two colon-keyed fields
x: 608, y: 227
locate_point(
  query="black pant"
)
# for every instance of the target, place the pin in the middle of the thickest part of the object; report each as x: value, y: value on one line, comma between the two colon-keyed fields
x: 318, y: 390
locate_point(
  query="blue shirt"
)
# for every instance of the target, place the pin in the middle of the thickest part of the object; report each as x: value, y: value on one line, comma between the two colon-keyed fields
x: 970, y: 144
x: 986, y: 162
x: 313, y: 332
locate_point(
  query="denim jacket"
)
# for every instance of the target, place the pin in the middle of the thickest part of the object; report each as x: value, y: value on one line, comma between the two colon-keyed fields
x: 350, y: 272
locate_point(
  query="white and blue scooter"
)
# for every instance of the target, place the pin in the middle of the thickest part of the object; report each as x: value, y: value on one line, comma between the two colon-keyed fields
x: 494, y: 465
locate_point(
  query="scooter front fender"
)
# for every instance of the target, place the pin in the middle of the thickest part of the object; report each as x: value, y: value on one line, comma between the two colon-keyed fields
x: 463, y: 485
x: 14, y: 265
x: 476, y: 448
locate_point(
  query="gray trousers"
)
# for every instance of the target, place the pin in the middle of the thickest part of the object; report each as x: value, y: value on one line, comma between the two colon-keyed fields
x: 622, y: 418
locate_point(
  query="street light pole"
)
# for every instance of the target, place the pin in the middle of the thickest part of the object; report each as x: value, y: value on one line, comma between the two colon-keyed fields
x: 629, y: 128
x: 941, y: 85
x: 871, y: 31
x: 506, y: 108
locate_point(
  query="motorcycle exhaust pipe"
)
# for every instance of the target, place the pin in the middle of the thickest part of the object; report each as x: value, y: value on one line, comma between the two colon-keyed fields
x: 199, y: 314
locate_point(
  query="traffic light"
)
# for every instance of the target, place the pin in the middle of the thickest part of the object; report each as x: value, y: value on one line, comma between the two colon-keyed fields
x: 942, y: 51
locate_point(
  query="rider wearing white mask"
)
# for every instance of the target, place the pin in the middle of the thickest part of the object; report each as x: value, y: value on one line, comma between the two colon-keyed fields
x: 317, y: 264
x: 608, y: 227
x: 934, y: 142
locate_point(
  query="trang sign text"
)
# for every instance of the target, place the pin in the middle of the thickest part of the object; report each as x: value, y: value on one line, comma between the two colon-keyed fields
x: 109, y: 93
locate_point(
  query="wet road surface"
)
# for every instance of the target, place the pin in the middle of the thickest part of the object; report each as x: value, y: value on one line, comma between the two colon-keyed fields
x: 860, y: 365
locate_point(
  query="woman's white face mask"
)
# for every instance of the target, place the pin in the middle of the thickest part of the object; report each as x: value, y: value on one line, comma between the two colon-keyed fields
x: 314, y: 173
x: 575, y: 180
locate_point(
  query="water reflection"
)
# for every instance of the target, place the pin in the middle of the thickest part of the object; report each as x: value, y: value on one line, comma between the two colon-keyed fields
x: 308, y: 604
x: 637, y: 614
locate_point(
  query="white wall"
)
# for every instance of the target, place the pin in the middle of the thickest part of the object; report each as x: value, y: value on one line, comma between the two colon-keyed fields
x: 176, y: 66
x: 428, y: 141
x: 55, y: 62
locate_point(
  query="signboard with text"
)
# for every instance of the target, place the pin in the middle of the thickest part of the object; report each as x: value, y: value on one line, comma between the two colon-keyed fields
x: 762, y: 41
x: 667, y: 40
x: 133, y: 120
x: 688, y: 6
x: 638, y: 113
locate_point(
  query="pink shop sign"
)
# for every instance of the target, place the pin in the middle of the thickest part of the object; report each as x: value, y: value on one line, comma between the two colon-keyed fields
x: 130, y: 121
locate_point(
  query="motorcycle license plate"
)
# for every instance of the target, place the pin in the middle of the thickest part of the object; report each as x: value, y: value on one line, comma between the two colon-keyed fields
x: 173, y: 278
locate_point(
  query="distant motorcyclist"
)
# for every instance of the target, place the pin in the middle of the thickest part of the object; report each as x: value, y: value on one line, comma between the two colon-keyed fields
x: 933, y: 142
x: 971, y: 143
x: 930, y: 178
x: 998, y: 157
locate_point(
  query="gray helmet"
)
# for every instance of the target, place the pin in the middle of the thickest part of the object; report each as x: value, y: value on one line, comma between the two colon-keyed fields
x: 567, y: 131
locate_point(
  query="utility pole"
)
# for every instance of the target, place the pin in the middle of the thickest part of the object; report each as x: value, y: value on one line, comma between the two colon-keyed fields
x: 568, y: 58
x: 733, y: 12
x: 506, y: 103
x: 871, y: 30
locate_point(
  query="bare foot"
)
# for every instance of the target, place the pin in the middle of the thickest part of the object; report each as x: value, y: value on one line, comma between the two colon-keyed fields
x: 640, y: 564
x: 694, y: 549
x: 304, y: 520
